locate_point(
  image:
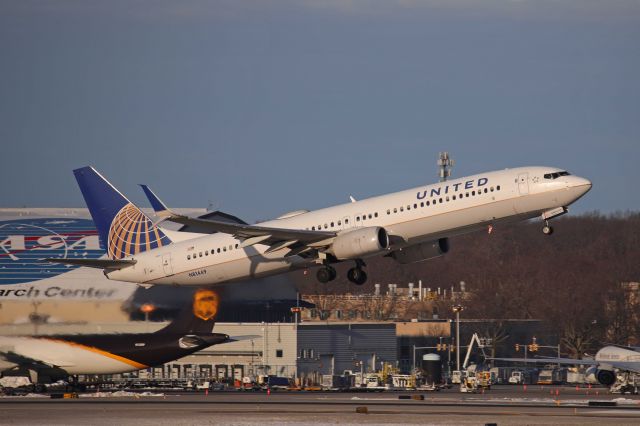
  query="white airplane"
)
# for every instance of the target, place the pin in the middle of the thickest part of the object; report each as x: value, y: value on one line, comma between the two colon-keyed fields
x: 409, y: 226
x: 602, y: 369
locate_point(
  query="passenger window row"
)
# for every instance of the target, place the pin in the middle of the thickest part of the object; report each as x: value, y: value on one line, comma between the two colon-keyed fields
x: 213, y: 251
x: 441, y: 200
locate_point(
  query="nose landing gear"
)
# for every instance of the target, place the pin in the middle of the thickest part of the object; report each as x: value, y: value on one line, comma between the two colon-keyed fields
x: 550, y: 214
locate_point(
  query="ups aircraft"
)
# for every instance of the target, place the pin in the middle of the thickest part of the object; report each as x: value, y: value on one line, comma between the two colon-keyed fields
x: 56, y: 357
x: 410, y: 226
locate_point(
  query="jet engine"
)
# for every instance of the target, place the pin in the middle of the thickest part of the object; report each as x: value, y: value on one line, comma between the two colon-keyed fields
x: 420, y: 252
x: 600, y: 375
x: 360, y: 243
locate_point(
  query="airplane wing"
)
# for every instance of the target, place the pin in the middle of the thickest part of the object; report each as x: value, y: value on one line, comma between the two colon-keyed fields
x: 21, y: 360
x: 626, y: 366
x: 566, y: 361
x: 94, y: 263
x: 277, y: 238
x: 620, y: 365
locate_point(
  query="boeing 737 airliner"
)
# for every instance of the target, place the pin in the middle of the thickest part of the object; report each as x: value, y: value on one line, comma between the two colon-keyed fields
x: 409, y: 226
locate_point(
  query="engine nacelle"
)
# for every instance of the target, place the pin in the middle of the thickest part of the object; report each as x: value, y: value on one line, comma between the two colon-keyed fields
x: 360, y: 243
x: 420, y: 252
x: 602, y: 376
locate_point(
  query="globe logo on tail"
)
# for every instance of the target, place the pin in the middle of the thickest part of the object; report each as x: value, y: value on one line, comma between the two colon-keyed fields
x: 132, y: 232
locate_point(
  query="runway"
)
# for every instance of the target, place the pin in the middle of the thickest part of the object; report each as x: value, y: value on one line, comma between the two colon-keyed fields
x: 502, y: 405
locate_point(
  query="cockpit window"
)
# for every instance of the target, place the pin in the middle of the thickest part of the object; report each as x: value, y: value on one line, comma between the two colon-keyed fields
x: 556, y: 175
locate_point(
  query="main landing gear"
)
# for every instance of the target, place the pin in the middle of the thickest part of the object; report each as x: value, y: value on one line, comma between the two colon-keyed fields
x: 357, y: 275
x: 547, y: 229
x: 326, y: 273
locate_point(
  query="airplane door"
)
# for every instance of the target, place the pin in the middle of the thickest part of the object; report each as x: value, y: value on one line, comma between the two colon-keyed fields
x: 523, y: 183
x: 166, y: 264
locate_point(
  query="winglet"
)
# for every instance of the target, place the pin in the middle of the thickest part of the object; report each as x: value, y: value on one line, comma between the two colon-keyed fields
x: 159, y: 207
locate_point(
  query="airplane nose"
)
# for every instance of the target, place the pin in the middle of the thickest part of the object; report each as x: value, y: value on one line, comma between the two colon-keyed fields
x: 582, y: 184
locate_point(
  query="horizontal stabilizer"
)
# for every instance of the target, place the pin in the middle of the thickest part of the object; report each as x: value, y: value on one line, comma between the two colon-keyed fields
x: 246, y: 337
x: 95, y: 263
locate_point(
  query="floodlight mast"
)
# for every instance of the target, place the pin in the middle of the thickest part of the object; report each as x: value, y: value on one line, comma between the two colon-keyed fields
x: 445, y: 163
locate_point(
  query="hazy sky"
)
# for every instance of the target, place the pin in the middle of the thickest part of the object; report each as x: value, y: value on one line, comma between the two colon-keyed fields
x: 262, y: 107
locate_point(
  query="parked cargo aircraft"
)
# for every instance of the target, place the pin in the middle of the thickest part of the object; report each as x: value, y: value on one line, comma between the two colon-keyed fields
x: 56, y: 357
x: 608, y: 360
x: 409, y: 226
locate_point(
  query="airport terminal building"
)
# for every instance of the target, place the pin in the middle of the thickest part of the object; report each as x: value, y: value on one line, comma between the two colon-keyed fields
x: 303, y: 351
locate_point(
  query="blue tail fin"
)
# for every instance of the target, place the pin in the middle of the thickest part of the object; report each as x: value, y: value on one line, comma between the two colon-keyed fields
x: 124, y: 230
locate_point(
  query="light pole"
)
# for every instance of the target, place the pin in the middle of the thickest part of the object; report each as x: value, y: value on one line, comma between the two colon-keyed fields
x: 457, y: 309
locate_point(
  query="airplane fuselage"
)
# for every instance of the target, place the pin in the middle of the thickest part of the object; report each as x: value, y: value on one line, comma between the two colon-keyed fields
x: 99, y: 353
x: 410, y: 217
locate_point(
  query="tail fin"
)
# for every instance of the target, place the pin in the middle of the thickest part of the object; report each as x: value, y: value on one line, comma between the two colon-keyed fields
x: 197, y: 318
x: 124, y: 230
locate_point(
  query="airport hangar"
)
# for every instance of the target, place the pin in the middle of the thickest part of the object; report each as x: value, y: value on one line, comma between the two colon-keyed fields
x: 350, y: 336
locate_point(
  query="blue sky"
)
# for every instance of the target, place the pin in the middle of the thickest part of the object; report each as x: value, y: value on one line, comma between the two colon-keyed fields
x: 261, y: 107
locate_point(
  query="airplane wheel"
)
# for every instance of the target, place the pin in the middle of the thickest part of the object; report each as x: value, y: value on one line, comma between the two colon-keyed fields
x: 357, y: 276
x: 547, y: 230
x: 326, y: 274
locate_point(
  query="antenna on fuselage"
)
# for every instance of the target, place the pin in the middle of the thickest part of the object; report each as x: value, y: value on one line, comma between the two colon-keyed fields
x: 445, y: 163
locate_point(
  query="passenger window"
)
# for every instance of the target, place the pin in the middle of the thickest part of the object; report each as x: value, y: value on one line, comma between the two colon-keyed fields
x: 447, y: 198
x: 332, y: 225
x: 224, y: 248
x: 313, y: 228
x: 326, y: 226
x: 428, y: 203
x: 188, y: 257
x: 370, y: 216
x: 486, y: 190
x: 236, y: 245
x: 498, y: 187
x: 492, y: 189
x: 454, y: 197
x: 395, y: 210
x: 218, y: 249
x: 415, y: 206
x: 200, y: 254
x: 376, y: 214
x: 206, y: 252
x: 389, y: 211
x: 339, y: 222
x: 401, y: 209
x: 357, y: 218
x: 473, y: 193
x: 346, y: 221
x: 422, y: 204
x: 409, y: 207
x: 440, y: 200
